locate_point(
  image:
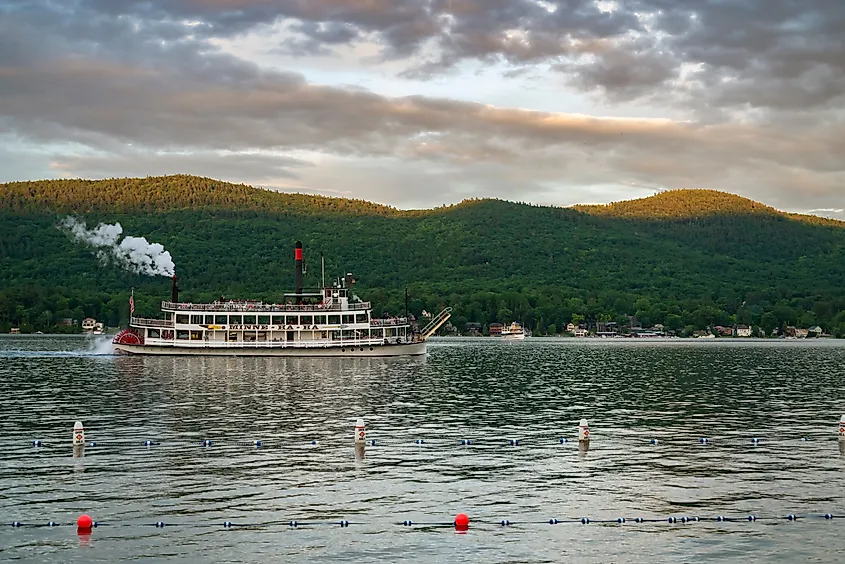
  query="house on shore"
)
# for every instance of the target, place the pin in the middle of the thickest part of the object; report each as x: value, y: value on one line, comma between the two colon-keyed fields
x: 743, y: 331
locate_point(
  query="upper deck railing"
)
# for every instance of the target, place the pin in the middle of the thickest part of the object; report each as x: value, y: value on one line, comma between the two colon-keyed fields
x: 146, y: 322
x: 249, y: 307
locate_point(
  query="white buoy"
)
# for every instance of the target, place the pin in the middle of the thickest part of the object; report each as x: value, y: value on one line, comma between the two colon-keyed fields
x: 78, y: 433
x: 583, y: 431
x: 842, y: 428
x: 360, y: 432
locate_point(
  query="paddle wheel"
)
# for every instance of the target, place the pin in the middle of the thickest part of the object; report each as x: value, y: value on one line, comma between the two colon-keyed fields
x: 128, y: 337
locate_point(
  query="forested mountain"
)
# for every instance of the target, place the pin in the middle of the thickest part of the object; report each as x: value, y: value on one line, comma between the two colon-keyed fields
x: 686, y: 258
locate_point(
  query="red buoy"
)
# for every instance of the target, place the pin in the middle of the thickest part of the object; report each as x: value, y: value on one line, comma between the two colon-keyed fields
x: 84, y: 524
x: 461, y: 522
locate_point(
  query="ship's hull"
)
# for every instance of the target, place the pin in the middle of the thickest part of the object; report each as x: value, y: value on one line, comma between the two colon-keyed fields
x: 513, y: 336
x: 409, y: 349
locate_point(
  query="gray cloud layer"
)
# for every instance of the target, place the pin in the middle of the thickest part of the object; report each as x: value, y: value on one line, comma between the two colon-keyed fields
x: 140, y: 88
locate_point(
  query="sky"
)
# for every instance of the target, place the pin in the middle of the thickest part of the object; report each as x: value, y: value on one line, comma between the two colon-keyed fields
x: 420, y: 103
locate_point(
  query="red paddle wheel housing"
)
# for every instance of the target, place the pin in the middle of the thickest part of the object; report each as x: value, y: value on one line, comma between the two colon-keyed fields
x: 128, y: 337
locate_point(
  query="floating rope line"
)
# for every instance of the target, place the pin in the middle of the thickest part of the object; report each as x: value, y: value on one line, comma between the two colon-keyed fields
x: 343, y: 523
x: 467, y: 442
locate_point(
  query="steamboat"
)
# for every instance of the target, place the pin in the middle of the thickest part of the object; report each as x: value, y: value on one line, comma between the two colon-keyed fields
x: 326, y: 322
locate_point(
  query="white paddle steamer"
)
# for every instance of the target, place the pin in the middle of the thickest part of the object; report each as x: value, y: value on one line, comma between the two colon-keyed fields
x: 326, y: 322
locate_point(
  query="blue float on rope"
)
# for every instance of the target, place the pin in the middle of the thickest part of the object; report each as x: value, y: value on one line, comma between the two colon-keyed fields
x: 513, y: 442
x: 563, y: 440
x: 36, y: 443
x: 419, y: 442
x: 206, y: 443
x: 553, y: 521
x: 466, y: 442
x: 159, y: 524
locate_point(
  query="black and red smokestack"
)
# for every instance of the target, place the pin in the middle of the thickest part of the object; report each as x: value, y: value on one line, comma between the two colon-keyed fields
x: 298, y: 257
x: 174, y: 291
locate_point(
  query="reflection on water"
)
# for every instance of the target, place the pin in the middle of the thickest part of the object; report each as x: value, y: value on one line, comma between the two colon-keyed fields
x: 534, y: 391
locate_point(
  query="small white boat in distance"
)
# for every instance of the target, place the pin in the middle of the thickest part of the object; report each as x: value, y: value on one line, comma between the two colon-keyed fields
x: 514, y: 332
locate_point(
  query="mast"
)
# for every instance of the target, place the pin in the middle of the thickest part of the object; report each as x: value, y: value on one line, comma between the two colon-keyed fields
x: 323, y: 263
x: 406, y: 305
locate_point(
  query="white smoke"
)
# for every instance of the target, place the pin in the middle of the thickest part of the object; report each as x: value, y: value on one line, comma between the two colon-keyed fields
x: 134, y: 253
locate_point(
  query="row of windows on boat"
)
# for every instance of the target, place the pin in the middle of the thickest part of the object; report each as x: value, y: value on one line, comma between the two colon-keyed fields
x: 184, y: 334
x: 309, y: 320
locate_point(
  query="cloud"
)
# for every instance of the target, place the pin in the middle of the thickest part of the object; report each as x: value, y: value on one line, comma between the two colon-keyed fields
x: 141, y: 88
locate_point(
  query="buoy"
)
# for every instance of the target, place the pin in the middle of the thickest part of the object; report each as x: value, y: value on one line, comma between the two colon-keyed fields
x: 461, y: 522
x: 159, y: 524
x: 513, y: 442
x: 257, y: 444
x: 466, y: 442
x: 563, y: 440
x: 360, y: 431
x: 84, y: 524
x: 703, y: 440
x: 654, y: 441
x: 419, y: 442
x: 36, y: 443
x: 314, y: 443
x: 583, y: 431
x: 206, y: 443
x: 78, y: 433
x: 755, y: 441
x: 842, y: 428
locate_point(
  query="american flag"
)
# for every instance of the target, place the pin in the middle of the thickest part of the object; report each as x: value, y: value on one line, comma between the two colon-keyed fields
x: 132, y: 303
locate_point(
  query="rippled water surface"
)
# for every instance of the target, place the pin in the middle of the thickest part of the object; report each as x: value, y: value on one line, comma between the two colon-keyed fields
x: 486, y: 391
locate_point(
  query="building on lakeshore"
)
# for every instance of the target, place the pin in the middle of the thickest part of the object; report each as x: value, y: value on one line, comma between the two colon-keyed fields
x: 743, y: 331
x: 89, y: 324
x: 495, y: 329
x: 15, y: 330
x: 473, y: 328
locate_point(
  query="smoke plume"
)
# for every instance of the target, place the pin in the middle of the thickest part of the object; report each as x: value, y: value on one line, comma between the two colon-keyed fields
x: 133, y: 253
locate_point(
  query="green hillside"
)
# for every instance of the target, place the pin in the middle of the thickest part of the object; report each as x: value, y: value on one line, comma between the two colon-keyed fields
x: 698, y: 258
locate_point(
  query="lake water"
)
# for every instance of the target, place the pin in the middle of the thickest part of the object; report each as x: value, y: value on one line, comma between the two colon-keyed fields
x: 483, y: 390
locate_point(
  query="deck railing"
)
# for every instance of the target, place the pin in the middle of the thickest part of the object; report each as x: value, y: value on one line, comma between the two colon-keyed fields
x: 200, y: 344
x: 146, y: 322
x: 241, y: 307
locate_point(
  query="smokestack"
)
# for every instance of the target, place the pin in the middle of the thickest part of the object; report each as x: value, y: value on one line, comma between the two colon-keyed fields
x: 174, y: 291
x: 349, y: 280
x: 298, y: 257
